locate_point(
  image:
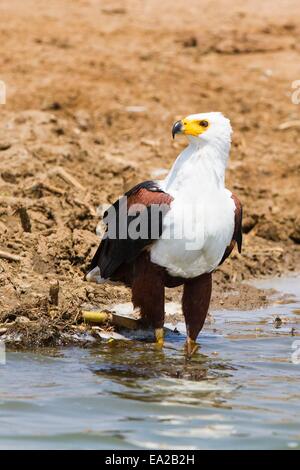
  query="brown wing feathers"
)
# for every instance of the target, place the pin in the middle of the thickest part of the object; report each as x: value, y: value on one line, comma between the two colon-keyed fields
x: 238, y: 216
x: 237, y: 237
x: 122, y: 248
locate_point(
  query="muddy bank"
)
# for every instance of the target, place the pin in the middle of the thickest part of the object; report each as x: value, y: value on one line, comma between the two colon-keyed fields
x: 99, y: 121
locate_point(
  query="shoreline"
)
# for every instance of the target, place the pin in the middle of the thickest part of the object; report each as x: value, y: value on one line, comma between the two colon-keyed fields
x: 25, y: 334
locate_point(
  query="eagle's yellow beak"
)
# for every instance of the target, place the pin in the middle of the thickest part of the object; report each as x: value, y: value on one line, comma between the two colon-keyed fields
x: 189, y: 127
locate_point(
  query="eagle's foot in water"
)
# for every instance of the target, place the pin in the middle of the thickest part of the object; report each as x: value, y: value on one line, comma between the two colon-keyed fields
x: 159, y: 337
x: 191, y: 347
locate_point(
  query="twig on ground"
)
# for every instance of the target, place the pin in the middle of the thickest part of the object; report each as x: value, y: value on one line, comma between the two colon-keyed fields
x: 48, y: 187
x: 289, y: 124
x: 54, y: 292
x: 9, y: 256
x: 68, y: 178
x: 86, y: 205
x: 15, y: 201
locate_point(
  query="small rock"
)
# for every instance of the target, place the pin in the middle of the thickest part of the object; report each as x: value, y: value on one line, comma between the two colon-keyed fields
x: 295, y: 234
x: 22, y: 319
x: 54, y: 106
x: 98, y: 141
x: 277, y: 322
x: 8, y: 177
x: 83, y: 120
x: 190, y: 42
x: 271, y: 230
x: 59, y: 131
x: 4, y: 146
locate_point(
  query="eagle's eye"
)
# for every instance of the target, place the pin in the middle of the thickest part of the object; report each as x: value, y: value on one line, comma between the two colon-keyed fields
x: 203, y: 123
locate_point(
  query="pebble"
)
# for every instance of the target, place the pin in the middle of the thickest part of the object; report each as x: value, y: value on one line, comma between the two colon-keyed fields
x: 22, y: 319
x: 136, y: 109
x: 4, y: 146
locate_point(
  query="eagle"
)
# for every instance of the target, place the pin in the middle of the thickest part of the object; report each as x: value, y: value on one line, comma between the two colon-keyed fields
x: 175, y: 231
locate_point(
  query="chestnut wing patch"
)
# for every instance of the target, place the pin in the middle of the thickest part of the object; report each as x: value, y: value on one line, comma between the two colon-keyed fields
x: 119, y: 245
x: 237, y: 237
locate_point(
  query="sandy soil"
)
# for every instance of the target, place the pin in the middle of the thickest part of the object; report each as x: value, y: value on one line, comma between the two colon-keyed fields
x: 93, y: 89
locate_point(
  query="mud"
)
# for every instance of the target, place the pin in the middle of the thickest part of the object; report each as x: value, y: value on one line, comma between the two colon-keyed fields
x: 92, y: 93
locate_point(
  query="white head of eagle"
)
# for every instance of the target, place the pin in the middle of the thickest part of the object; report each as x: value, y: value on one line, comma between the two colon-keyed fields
x: 204, y: 161
x: 205, y: 129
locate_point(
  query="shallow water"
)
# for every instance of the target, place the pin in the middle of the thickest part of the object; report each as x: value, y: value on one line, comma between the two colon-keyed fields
x: 241, y: 390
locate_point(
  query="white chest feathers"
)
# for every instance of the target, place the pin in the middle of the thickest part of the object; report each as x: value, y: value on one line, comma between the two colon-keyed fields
x: 195, y: 234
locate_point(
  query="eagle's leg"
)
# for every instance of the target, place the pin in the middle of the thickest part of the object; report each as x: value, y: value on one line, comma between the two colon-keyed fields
x: 195, y: 303
x: 148, y: 294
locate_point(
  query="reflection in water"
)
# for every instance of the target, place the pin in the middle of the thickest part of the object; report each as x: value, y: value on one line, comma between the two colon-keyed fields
x: 241, y: 390
x: 147, y: 374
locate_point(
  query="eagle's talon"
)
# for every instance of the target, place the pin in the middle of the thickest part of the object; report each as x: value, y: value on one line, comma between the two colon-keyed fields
x: 191, y: 347
x: 159, y: 337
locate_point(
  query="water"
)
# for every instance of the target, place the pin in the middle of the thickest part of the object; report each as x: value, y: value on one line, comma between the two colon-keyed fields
x: 241, y: 391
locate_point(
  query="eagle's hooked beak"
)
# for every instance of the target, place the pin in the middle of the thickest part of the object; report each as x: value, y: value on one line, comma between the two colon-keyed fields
x: 177, y: 128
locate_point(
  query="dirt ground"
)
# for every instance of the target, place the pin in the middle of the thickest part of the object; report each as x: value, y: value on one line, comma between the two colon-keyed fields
x: 93, y: 89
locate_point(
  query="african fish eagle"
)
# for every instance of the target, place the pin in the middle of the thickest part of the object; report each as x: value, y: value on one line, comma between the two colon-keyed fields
x: 196, y: 202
